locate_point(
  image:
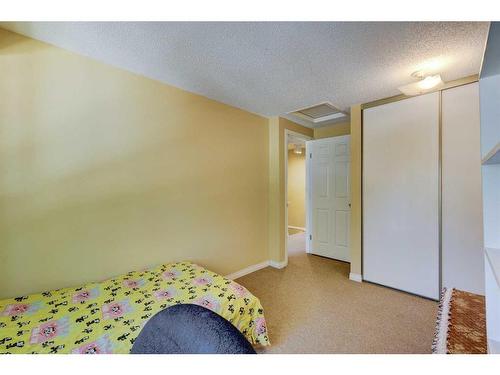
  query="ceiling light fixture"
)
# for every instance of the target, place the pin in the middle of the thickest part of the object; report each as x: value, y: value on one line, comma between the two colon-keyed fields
x: 422, y: 86
x: 297, y: 150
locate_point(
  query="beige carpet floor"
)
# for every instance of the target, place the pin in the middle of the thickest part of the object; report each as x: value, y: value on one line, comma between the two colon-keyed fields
x: 311, y: 306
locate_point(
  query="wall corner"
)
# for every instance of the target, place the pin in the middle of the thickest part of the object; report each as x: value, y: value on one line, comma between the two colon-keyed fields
x: 356, y: 186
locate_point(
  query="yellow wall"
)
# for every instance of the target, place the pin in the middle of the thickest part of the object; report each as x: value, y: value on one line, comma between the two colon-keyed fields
x: 103, y: 171
x: 341, y: 128
x: 296, y: 194
x: 356, y: 219
x: 277, y: 223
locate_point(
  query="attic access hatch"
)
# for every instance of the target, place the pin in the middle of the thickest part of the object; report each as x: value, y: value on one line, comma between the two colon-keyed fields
x: 319, y: 113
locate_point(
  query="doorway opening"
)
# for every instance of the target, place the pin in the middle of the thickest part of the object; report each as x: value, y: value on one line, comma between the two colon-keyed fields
x: 295, y: 193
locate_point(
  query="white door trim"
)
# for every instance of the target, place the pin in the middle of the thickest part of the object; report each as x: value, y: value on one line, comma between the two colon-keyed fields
x: 308, y: 193
x: 305, y: 138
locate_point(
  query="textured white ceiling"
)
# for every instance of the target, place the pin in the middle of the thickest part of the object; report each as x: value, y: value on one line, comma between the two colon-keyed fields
x: 273, y: 68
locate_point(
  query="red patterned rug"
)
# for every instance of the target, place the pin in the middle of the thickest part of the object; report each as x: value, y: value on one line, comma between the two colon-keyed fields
x: 461, y: 324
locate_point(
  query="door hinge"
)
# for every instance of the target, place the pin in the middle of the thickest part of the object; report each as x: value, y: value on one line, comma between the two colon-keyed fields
x: 310, y: 237
x: 310, y: 155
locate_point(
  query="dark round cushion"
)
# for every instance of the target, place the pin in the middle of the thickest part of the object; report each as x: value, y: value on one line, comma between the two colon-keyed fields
x: 190, y: 329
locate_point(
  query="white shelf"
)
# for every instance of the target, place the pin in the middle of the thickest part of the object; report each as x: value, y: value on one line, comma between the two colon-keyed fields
x: 493, y: 347
x: 493, y: 256
x: 489, y: 98
x: 492, y: 287
x: 492, y: 157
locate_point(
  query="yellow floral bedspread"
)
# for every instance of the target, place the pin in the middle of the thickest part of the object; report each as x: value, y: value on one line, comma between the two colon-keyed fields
x: 106, y: 317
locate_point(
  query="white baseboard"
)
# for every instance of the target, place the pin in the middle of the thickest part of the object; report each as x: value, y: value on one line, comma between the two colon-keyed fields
x: 355, y: 277
x: 247, y: 270
x: 298, y: 228
x: 278, y: 265
x: 256, y: 267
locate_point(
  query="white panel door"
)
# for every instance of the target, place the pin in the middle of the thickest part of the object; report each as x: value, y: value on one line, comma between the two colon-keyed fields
x: 462, y: 257
x: 401, y: 195
x: 329, y: 196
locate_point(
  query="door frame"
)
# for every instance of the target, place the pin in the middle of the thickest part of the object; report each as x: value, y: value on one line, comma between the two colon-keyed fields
x: 306, y: 138
x: 308, y: 194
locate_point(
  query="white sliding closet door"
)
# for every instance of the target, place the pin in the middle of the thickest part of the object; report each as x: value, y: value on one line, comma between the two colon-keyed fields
x: 463, y: 259
x: 401, y: 195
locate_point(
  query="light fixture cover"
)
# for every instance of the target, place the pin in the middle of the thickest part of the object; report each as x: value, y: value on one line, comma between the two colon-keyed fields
x: 424, y: 85
x: 297, y: 150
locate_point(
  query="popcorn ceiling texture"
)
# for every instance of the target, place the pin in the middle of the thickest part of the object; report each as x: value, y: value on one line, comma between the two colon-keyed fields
x: 274, y: 68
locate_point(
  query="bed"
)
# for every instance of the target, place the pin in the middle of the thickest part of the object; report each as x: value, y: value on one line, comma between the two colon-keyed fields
x: 106, y: 317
